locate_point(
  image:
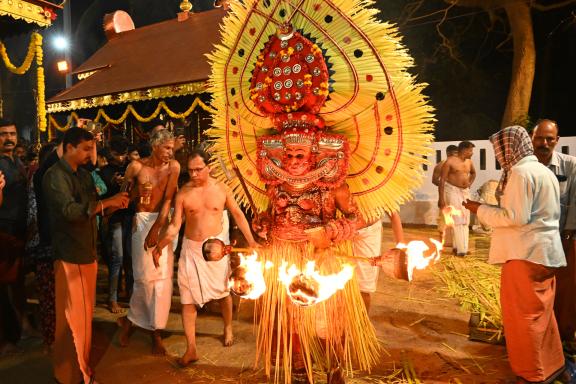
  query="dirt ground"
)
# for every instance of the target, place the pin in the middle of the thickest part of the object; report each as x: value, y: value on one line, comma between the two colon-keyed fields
x: 421, y: 332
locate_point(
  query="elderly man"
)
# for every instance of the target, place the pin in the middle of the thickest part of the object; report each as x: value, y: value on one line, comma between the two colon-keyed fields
x: 155, y: 181
x: 527, y: 242
x: 544, y: 138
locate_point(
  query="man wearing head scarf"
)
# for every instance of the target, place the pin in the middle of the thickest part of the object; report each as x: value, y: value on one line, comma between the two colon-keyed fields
x: 526, y: 241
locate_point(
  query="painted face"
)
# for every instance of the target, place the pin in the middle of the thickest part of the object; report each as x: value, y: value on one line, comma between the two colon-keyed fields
x: 297, y: 159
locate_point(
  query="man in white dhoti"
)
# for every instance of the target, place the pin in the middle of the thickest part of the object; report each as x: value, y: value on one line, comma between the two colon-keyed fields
x: 155, y: 181
x: 201, y: 202
x: 444, y: 231
x: 458, y: 174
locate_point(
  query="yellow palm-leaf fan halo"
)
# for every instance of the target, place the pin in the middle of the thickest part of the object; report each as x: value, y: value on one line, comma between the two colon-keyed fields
x: 373, y: 101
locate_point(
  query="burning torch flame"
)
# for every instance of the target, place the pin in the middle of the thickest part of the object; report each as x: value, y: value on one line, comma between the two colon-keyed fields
x: 247, y: 280
x: 449, y: 212
x: 415, y: 255
x: 309, y: 287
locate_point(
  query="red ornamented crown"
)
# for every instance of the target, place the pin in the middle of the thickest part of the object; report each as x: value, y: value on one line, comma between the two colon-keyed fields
x: 290, y: 81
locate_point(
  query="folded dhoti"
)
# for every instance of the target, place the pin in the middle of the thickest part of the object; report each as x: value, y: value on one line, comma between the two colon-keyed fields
x: 368, y: 243
x: 454, y: 196
x: 201, y: 281
x: 152, y: 293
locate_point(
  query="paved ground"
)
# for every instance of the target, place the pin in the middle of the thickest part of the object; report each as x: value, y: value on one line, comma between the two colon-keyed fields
x: 417, y: 326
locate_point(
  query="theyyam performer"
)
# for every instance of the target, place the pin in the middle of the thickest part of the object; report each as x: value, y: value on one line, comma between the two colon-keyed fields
x: 328, y: 131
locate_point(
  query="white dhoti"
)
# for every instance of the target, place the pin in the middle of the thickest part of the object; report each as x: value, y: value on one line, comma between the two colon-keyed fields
x: 152, y: 292
x: 445, y: 230
x: 201, y: 281
x: 454, y: 196
x: 368, y: 243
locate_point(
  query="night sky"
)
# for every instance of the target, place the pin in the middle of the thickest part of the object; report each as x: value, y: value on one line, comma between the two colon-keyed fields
x: 469, y: 93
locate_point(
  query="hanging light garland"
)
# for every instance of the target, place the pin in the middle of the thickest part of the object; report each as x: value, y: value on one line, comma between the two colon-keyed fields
x: 162, y: 106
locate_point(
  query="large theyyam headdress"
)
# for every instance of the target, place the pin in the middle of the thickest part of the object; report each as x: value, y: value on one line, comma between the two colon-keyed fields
x: 325, y: 74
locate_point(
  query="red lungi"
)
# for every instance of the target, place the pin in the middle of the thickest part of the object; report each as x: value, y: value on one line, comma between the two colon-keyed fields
x: 565, y: 302
x: 75, y: 297
x: 532, y: 337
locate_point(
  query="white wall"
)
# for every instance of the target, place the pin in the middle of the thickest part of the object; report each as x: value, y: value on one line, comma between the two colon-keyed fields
x: 424, y: 210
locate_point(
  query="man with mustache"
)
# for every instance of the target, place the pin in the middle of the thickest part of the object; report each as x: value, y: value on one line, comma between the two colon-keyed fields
x: 526, y: 242
x: 12, y: 234
x: 72, y: 204
x: 456, y: 177
x: 545, y: 138
x: 200, y: 203
x: 155, y: 182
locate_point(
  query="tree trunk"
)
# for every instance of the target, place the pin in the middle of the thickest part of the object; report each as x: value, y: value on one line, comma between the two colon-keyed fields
x: 523, y: 64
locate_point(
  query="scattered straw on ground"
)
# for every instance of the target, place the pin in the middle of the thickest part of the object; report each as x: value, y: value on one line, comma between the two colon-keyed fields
x: 476, y: 284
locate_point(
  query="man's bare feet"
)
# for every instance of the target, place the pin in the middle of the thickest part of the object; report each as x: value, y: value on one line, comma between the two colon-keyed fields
x: 228, y: 336
x: 157, y: 344
x: 114, y: 307
x: 188, y: 358
x: 125, y: 328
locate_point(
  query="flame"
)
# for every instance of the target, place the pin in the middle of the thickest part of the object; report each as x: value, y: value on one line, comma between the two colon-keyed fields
x: 449, y: 213
x: 309, y: 287
x: 415, y: 255
x: 247, y: 280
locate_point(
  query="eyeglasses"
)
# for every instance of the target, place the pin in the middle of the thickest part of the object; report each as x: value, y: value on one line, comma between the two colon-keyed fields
x: 196, y: 170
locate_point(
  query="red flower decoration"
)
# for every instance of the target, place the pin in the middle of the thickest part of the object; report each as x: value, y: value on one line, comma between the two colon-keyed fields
x: 49, y: 13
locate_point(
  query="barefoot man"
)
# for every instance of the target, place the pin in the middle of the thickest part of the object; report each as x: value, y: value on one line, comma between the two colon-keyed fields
x: 155, y: 181
x: 201, y: 202
x: 457, y: 176
x: 444, y: 231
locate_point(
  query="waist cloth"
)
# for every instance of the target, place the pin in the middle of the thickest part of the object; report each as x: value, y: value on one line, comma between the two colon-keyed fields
x: 201, y: 281
x: 152, y: 293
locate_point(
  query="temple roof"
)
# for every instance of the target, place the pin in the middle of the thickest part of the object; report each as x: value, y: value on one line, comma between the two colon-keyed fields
x: 20, y: 16
x: 156, y: 61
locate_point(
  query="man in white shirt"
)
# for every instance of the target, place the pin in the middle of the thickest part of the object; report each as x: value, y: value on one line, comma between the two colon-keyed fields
x: 544, y: 138
x: 526, y: 241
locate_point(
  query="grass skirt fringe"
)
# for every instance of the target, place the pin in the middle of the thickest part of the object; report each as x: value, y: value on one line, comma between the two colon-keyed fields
x: 330, y: 334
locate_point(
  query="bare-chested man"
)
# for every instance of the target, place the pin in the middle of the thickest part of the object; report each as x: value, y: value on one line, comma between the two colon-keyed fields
x: 457, y: 176
x: 201, y: 202
x: 445, y: 232
x: 154, y: 182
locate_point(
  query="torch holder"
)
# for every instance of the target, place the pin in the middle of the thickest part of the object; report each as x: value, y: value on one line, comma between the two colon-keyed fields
x: 395, y: 264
